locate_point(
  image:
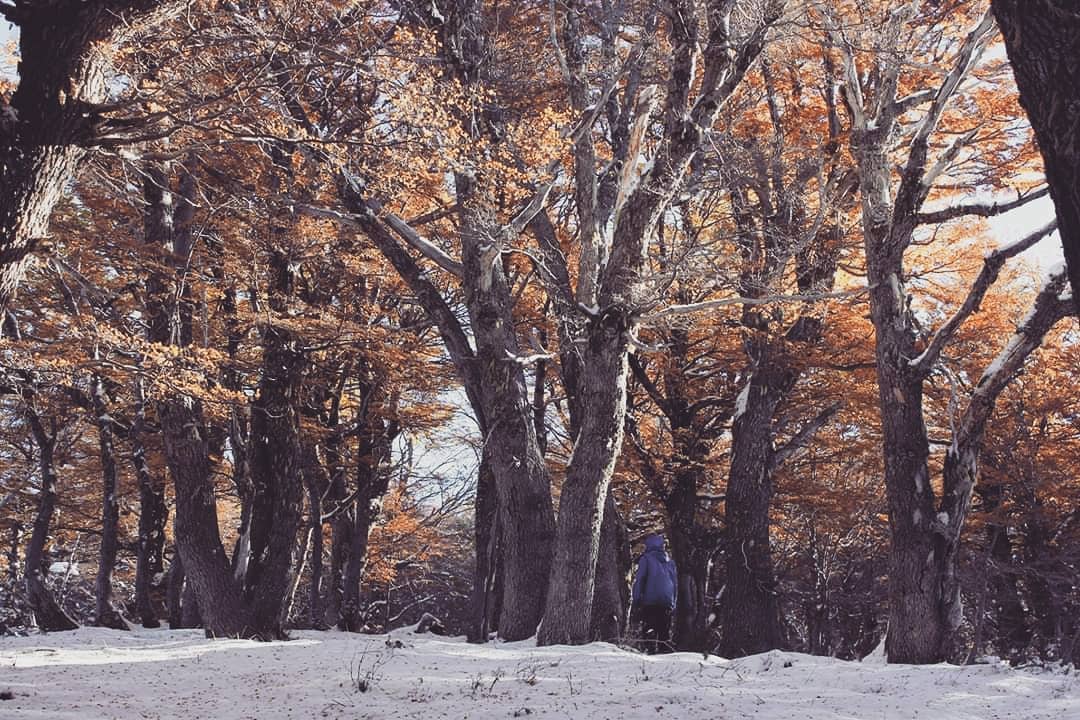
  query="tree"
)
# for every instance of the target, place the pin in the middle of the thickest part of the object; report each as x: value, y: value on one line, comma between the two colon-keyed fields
x: 53, y: 116
x: 924, y: 607
x: 1042, y: 38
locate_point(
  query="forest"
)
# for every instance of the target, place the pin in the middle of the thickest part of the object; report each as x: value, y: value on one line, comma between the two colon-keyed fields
x: 345, y: 314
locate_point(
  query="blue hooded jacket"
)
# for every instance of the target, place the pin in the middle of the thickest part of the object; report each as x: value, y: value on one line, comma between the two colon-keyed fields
x: 656, y: 582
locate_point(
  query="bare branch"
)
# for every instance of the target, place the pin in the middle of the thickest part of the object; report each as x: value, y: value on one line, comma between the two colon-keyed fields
x: 799, y: 440
x: 981, y: 209
x: 992, y: 265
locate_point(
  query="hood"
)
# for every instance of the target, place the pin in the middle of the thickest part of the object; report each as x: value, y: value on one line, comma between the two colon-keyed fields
x: 654, y: 542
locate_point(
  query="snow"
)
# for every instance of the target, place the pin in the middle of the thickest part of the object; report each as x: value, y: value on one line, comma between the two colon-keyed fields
x: 743, y: 399
x: 63, y: 568
x: 98, y: 673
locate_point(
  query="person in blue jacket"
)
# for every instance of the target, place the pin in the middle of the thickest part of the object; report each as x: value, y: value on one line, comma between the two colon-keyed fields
x: 654, y: 593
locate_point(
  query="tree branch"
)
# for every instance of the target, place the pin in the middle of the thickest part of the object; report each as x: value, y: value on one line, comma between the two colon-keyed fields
x: 981, y: 209
x: 992, y: 265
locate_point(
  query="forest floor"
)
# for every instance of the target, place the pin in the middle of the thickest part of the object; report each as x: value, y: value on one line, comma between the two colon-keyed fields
x: 93, y: 673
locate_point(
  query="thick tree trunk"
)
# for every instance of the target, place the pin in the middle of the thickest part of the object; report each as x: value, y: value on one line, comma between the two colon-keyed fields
x: 917, y: 630
x: 64, y: 54
x: 750, y: 610
x: 190, y: 615
x: 152, y: 516
x: 47, y: 612
x: 105, y: 613
x: 205, y: 564
x: 521, y: 480
x: 602, y: 394
x: 276, y: 474
x: 611, y: 597
x: 1042, y: 38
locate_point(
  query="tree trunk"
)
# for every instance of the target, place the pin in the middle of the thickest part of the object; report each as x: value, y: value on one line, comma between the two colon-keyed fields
x: 276, y: 474
x: 602, y: 394
x: 1042, y: 38
x: 611, y: 598
x: 692, y: 546
x: 317, y: 481
x: 521, y: 480
x: 105, y: 613
x: 190, y: 615
x: 341, y: 541
x: 174, y: 593
x: 47, y: 612
x: 486, y: 540
x: 377, y: 431
x: 152, y: 516
x: 916, y: 628
x: 750, y: 610
x: 205, y: 564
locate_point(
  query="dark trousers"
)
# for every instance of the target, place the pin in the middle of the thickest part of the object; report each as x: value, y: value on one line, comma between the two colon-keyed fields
x: 657, y: 626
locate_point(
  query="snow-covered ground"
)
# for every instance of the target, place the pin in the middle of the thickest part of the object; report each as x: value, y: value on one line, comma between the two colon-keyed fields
x: 93, y: 673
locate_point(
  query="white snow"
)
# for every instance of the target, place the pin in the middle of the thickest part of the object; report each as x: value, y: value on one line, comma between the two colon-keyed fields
x: 63, y: 568
x: 743, y: 399
x: 97, y: 673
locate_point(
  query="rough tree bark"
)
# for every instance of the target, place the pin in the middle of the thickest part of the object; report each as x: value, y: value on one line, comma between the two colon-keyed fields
x: 522, y: 485
x: 65, y: 48
x: 205, y: 566
x: 750, y: 618
x: 47, y: 612
x: 276, y: 475
x: 105, y: 613
x: 1042, y: 38
x: 924, y: 606
x: 153, y: 514
x: 376, y: 432
x: 612, y: 310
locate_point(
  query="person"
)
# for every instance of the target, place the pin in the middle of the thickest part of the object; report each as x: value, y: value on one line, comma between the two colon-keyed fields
x: 654, y: 594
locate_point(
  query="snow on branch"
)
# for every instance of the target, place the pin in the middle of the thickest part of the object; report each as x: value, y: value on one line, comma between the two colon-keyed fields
x: 707, y: 305
x: 992, y: 265
x: 415, y: 240
x: 988, y: 209
x: 1050, y: 307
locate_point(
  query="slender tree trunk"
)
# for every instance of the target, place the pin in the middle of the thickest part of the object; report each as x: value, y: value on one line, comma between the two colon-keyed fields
x: 486, y: 541
x: 341, y: 541
x: 13, y: 548
x: 376, y: 436
x: 47, y: 612
x: 152, y: 516
x: 317, y: 481
x: 105, y: 613
x: 174, y: 591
